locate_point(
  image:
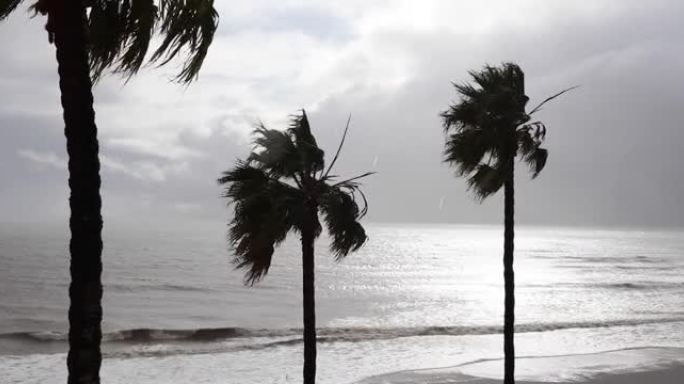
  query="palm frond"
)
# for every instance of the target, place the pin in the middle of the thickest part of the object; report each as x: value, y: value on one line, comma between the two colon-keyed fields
x: 487, y: 77
x: 274, y: 152
x: 514, y: 77
x: 339, y: 148
x: 121, y: 32
x: 341, y: 214
x: 7, y: 7
x: 526, y: 142
x: 530, y: 137
x: 243, y: 181
x: 186, y: 25
x: 265, y: 210
x: 464, y: 115
x: 486, y: 180
x: 466, y: 149
x: 364, y: 210
x: 352, y: 188
x: 467, y: 90
x: 347, y: 181
x: 538, y: 107
x: 536, y: 159
x: 310, y: 155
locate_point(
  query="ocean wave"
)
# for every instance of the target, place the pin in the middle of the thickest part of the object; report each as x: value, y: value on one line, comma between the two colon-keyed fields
x: 638, y: 285
x: 138, y: 287
x: 332, y: 334
x: 139, y: 335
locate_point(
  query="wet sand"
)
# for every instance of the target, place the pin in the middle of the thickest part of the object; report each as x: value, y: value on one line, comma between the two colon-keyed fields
x: 627, y: 366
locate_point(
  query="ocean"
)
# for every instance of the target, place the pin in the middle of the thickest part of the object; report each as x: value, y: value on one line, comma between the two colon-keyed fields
x: 416, y: 297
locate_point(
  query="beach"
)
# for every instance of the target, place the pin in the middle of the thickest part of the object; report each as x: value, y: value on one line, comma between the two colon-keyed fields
x: 630, y: 366
x: 672, y: 375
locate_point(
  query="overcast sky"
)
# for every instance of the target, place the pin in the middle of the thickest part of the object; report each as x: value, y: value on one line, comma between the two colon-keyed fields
x: 615, y: 143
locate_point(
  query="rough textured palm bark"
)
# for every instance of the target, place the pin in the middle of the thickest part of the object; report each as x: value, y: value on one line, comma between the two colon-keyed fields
x: 509, y: 280
x: 309, y: 302
x: 67, y: 23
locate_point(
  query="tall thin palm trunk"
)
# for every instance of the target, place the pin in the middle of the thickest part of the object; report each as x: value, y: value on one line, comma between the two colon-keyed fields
x: 509, y: 279
x: 309, y: 305
x: 67, y: 22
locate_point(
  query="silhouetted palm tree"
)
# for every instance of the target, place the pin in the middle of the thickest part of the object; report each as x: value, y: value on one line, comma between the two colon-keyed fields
x: 281, y: 187
x: 114, y: 34
x: 487, y: 129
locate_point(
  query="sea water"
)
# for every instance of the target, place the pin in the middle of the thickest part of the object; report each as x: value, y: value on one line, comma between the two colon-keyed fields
x: 415, y: 297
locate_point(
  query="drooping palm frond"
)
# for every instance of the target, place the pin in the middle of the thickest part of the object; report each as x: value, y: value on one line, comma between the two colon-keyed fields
x: 536, y: 159
x: 486, y: 180
x: 7, y: 7
x: 466, y: 149
x: 341, y: 214
x: 530, y: 138
x: 121, y: 32
x: 189, y: 25
x: 265, y: 211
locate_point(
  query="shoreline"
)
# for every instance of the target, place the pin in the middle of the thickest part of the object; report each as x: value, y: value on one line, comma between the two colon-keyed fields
x: 649, y: 365
x: 670, y: 375
x: 652, y: 365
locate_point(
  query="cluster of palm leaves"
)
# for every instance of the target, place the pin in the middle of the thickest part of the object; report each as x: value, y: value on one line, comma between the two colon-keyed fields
x: 120, y: 32
x: 281, y: 187
x: 489, y: 126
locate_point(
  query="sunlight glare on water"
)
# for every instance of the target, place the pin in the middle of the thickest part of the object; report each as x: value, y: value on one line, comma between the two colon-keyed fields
x: 415, y: 297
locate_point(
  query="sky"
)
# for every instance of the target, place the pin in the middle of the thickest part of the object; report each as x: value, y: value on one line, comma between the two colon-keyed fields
x: 614, y: 143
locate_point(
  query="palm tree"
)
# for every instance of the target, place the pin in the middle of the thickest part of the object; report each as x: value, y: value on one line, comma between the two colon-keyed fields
x: 114, y: 34
x: 486, y: 130
x: 281, y: 187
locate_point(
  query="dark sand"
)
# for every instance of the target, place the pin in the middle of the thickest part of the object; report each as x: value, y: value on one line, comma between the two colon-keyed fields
x: 672, y: 375
x: 629, y: 366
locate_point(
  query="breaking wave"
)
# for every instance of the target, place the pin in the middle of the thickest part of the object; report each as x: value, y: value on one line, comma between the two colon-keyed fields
x: 333, y: 334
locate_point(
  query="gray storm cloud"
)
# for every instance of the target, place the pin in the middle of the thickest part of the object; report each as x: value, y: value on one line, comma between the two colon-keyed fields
x: 615, y: 156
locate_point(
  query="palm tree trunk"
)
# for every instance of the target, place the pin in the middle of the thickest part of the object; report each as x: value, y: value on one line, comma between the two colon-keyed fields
x: 509, y: 280
x: 308, y: 290
x: 67, y: 23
